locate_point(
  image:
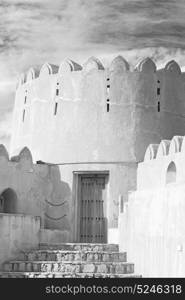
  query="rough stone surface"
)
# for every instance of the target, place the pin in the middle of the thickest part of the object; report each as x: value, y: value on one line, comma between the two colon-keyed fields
x: 81, y: 247
x: 79, y: 260
x: 17, y: 232
x: 60, y: 255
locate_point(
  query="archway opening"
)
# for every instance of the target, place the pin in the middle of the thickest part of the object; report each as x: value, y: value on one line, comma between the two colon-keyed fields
x: 171, y: 173
x: 8, y: 201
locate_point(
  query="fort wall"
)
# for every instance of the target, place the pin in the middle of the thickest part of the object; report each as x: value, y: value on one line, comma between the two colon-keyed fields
x: 118, y: 110
x: 18, y: 233
x: 35, y: 190
x: 94, y: 118
x: 151, y: 223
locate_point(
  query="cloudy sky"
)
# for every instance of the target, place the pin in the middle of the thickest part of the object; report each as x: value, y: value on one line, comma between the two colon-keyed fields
x: 35, y: 31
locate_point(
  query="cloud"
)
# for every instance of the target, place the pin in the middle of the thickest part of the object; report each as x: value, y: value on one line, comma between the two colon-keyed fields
x: 35, y: 31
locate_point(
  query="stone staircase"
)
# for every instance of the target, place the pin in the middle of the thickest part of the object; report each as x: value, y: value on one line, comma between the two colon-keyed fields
x: 70, y: 260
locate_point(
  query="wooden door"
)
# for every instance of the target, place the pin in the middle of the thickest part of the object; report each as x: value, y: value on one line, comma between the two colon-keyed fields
x: 92, y: 209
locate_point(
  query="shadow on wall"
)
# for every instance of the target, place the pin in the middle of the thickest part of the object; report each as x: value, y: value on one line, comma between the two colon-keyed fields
x: 8, y: 201
x: 57, y: 214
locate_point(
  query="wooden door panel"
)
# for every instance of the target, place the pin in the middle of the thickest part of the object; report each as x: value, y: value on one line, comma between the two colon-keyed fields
x: 92, y: 215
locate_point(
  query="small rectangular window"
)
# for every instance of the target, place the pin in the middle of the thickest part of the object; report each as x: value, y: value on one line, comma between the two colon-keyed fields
x: 108, y: 105
x: 158, y: 91
x: 121, y: 205
x: 56, y: 105
x: 57, y: 92
x: 158, y: 106
x: 23, y: 115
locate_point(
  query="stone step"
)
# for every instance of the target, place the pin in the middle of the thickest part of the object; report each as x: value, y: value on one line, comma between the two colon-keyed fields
x: 59, y: 255
x: 81, y: 247
x: 69, y: 267
x: 63, y: 275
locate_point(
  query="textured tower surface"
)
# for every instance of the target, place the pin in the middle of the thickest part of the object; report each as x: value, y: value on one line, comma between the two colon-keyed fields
x: 79, y: 128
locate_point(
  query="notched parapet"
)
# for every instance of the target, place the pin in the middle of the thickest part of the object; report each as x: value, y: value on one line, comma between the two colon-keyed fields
x: 93, y: 63
x: 176, y: 144
x: 119, y: 64
x: 4, y: 152
x: 48, y: 69
x: 173, y: 67
x: 146, y: 65
x: 24, y: 154
x: 163, y: 148
x: 151, y: 152
x: 69, y: 66
x: 32, y: 74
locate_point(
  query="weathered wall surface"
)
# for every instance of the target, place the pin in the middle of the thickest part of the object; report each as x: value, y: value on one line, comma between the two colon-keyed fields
x: 151, y: 230
x: 34, y: 189
x: 152, y: 224
x: 17, y: 233
x: 53, y: 236
x: 82, y: 121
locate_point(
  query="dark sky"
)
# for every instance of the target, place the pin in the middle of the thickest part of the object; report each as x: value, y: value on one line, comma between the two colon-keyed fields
x: 35, y: 31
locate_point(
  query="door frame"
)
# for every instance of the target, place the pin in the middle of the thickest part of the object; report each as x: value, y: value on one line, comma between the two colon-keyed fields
x: 76, y: 198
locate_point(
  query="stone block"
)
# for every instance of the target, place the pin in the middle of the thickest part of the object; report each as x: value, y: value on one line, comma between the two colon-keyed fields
x: 35, y: 267
x: 106, y: 257
x: 88, y: 268
x: 29, y: 267
x: 7, y: 267
x: 46, y: 267
x: 102, y: 268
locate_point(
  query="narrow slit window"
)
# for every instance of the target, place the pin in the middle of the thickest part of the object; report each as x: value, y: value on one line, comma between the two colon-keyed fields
x: 108, y: 88
x: 158, y: 91
x: 57, y: 89
x: 108, y: 105
x: 23, y: 115
x: 158, y: 106
x: 25, y: 98
x: 56, y: 106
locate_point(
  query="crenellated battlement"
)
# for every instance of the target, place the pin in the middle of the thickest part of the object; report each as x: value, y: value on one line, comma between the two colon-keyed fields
x: 119, y: 83
x: 118, y: 103
x: 119, y: 63
x: 163, y: 164
x: 165, y: 148
x: 23, y: 157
